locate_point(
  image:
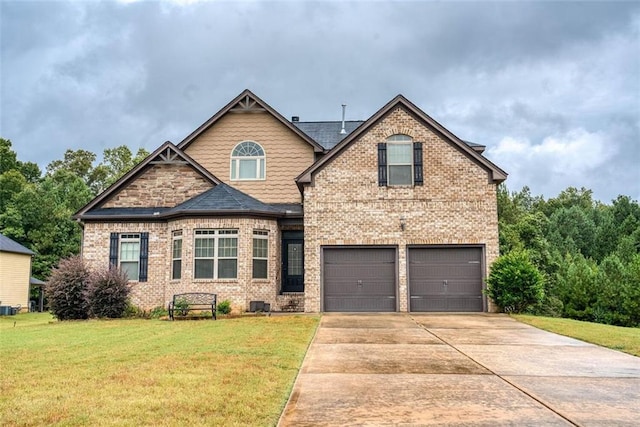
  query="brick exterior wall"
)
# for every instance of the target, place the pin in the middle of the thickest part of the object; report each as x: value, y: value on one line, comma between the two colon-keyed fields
x: 162, y: 185
x: 159, y: 289
x: 345, y: 206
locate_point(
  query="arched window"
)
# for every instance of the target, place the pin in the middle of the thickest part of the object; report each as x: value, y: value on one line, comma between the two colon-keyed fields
x: 247, y: 161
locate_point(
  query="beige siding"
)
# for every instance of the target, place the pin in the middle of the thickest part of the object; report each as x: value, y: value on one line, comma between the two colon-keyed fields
x: 345, y: 205
x: 15, y: 273
x: 162, y: 185
x: 286, y: 154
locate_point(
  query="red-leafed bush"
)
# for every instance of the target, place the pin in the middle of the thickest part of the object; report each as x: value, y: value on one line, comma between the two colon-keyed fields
x: 66, y: 290
x: 108, y: 293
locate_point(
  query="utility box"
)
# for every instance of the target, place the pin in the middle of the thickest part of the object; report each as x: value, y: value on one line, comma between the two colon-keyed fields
x: 256, y: 306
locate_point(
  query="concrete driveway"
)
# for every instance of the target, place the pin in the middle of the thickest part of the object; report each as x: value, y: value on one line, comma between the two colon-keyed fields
x: 458, y: 370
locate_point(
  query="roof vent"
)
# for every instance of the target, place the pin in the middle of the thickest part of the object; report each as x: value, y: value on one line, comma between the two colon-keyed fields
x: 343, y: 131
x: 295, y: 119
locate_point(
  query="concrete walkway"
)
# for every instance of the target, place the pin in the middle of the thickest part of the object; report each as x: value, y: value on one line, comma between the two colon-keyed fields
x: 458, y: 370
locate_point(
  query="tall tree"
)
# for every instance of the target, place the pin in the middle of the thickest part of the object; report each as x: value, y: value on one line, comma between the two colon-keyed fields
x: 8, y: 158
x: 78, y: 162
x: 116, y: 162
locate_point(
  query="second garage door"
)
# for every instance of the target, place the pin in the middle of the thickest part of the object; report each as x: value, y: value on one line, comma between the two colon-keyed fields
x: 359, y: 279
x: 445, y: 279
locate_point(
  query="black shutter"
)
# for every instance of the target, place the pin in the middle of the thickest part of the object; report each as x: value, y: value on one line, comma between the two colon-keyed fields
x: 144, y: 257
x: 382, y: 164
x: 113, y: 250
x: 418, y: 177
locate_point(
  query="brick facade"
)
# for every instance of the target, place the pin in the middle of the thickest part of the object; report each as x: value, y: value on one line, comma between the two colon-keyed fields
x: 345, y: 206
x: 159, y: 289
x: 342, y: 201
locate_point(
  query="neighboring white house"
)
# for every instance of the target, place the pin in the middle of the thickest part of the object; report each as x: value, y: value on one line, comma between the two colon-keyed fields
x: 15, y: 273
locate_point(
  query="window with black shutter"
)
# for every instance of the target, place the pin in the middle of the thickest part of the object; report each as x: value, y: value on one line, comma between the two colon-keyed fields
x: 144, y: 257
x: 382, y: 164
x: 130, y: 253
x: 113, y: 249
x: 399, y: 162
x: 418, y: 177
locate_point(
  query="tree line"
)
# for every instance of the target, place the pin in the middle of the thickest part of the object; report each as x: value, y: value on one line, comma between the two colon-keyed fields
x: 36, y: 207
x: 587, y: 252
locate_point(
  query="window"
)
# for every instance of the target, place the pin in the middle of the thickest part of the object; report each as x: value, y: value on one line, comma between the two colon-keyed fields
x: 260, y: 254
x: 216, y: 254
x: 176, y: 255
x: 400, y: 162
x: 247, y: 161
x: 130, y: 253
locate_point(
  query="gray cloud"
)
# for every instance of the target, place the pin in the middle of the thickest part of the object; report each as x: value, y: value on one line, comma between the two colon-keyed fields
x: 98, y: 74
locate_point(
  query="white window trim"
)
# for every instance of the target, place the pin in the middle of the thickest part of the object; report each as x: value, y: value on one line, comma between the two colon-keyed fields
x: 216, y: 235
x: 400, y: 139
x: 261, y: 175
x: 260, y: 235
x: 129, y: 238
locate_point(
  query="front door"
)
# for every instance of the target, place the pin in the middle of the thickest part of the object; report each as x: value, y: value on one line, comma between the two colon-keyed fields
x: 292, y: 261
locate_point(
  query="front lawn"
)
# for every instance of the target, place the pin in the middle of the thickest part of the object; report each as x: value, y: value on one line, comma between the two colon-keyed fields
x: 149, y: 372
x: 615, y: 337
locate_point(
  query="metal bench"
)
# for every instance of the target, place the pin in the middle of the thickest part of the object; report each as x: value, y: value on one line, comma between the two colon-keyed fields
x: 182, y: 304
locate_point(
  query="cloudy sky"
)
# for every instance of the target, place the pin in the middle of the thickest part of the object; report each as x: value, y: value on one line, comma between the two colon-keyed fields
x: 551, y: 88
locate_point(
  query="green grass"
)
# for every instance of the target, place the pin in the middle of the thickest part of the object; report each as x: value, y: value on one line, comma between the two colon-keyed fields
x: 615, y: 337
x: 149, y: 372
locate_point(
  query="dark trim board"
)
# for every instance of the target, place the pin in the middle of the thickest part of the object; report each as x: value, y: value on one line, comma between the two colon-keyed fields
x: 446, y: 278
x: 359, y: 278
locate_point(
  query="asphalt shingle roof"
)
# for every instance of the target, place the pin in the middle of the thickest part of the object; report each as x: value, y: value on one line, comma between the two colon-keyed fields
x: 327, y: 134
x: 223, y: 197
x: 220, y: 199
x: 8, y: 245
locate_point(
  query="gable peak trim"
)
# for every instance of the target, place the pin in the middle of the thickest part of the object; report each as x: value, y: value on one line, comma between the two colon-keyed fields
x: 169, y: 156
x: 248, y: 104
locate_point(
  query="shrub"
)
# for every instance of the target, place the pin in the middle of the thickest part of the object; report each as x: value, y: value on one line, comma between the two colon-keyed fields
x: 181, y: 306
x: 108, y: 293
x: 224, y: 307
x: 133, y: 311
x: 66, y: 290
x: 515, y: 283
x: 158, y: 312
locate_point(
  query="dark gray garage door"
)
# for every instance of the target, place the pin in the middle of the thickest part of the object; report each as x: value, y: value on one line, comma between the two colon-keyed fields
x: 359, y: 279
x: 445, y: 279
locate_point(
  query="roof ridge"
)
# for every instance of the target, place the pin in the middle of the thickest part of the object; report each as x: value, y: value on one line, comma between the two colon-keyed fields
x: 328, y: 121
x: 227, y: 187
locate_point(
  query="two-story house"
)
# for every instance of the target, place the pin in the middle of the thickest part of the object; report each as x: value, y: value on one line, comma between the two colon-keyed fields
x: 394, y: 213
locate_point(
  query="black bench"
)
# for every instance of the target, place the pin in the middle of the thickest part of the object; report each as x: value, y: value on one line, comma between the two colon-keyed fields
x: 182, y: 304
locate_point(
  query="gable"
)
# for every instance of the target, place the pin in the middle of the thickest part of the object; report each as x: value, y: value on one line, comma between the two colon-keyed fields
x: 419, y: 119
x: 448, y: 174
x: 165, y: 178
x: 160, y: 185
x: 286, y: 152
